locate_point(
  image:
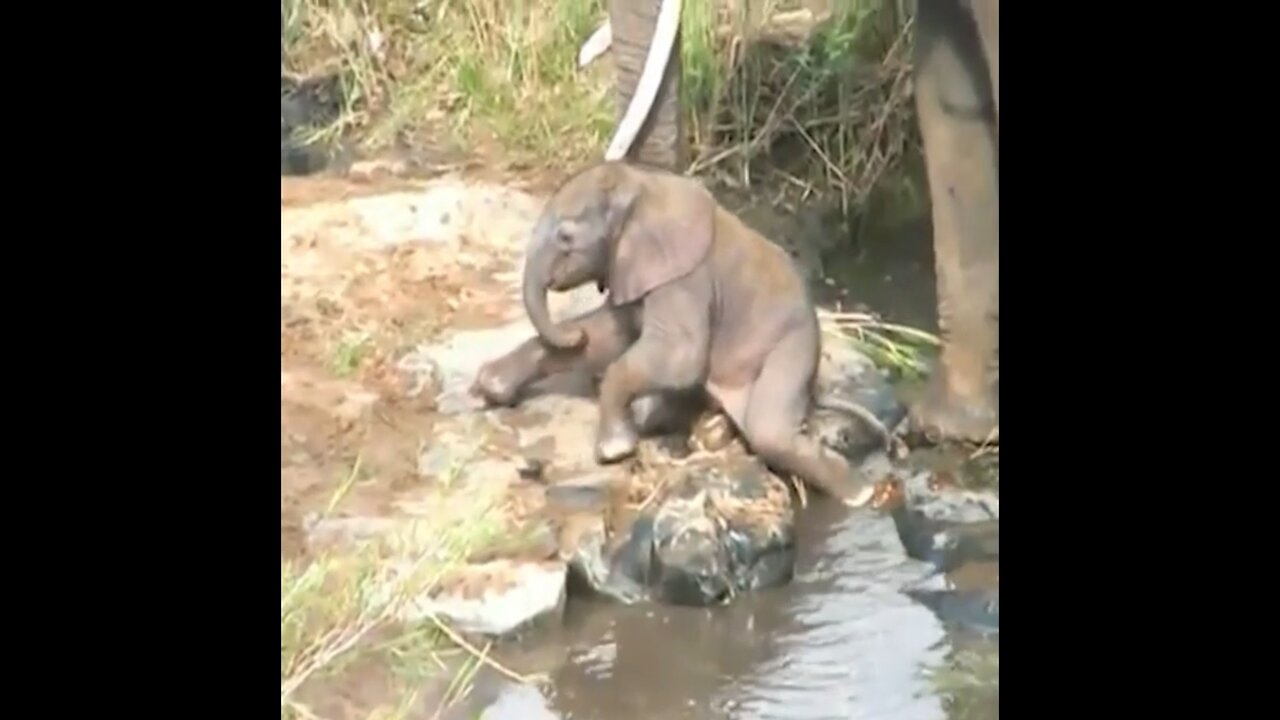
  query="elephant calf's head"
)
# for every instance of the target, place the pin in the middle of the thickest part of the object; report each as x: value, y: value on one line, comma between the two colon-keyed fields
x: 628, y: 229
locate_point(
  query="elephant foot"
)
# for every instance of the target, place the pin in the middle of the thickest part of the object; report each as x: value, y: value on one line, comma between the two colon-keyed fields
x: 617, y: 441
x: 494, y: 386
x: 939, y: 415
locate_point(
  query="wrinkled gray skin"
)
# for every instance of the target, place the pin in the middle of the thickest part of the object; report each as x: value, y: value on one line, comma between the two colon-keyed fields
x: 554, y: 263
x: 697, y: 301
x: 957, y: 81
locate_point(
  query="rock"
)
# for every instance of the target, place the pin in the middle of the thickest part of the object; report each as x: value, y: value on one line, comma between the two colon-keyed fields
x: 494, y: 598
x: 967, y: 596
x: 720, y: 527
x: 846, y: 376
x: 957, y: 531
x: 724, y: 529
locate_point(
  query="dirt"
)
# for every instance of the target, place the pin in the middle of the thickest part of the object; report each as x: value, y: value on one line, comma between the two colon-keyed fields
x: 365, y: 275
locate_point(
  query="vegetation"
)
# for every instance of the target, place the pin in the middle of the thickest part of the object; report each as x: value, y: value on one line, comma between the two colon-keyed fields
x: 338, y: 613
x: 968, y: 681
x: 764, y: 80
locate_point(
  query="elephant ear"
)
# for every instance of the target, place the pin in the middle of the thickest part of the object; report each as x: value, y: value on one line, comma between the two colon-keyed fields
x: 667, y: 226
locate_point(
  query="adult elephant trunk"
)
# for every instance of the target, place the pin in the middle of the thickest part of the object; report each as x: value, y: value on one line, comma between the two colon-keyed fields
x: 538, y: 274
x: 646, y: 43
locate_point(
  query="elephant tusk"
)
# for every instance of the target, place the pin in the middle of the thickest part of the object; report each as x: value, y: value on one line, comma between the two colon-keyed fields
x: 596, y: 45
x: 655, y: 66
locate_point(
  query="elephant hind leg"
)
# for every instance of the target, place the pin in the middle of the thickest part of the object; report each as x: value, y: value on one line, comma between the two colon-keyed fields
x: 667, y: 411
x: 778, y: 402
x: 609, y: 332
x: 955, y: 108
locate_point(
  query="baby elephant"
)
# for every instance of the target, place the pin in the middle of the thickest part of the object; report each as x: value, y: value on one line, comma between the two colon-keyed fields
x: 696, y: 299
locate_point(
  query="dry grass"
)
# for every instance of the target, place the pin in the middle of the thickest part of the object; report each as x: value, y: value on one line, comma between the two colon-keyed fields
x: 815, y: 100
x: 338, y: 613
x: 811, y: 103
x: 897, y: 348
x: 458, y: 73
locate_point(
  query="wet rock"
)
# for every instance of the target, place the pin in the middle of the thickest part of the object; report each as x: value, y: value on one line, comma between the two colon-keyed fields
x: 717, y: 528
x: 967, y: 596
x: 957, y: 531
x: 847, y: 377
x: 723, y: 530
x: 494, y: 598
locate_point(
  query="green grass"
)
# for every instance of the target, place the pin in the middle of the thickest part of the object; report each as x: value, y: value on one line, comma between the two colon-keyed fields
x: 351, y: 351
x: 899, y: 349
x: 816, y: 104
x: 969, y: 683
x: 824, y: 110
x: 338, y: 612
x: 461, y: 73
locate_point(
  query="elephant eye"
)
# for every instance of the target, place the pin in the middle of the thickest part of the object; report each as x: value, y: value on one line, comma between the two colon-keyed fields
x: 563, y: 238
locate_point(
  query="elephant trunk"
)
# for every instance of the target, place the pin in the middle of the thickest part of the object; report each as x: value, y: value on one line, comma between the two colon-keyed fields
x: 646, y: 46
x: 537, y: 280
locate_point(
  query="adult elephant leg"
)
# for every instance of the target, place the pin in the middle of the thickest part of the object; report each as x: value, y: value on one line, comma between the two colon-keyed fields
x: 987, y: 15
x: 660, y: 139
x: 955, y: 105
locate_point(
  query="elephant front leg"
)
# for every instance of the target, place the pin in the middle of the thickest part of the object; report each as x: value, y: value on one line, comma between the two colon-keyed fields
x: 956, y: 114
x: 669, y: 358
x: 609, y: 331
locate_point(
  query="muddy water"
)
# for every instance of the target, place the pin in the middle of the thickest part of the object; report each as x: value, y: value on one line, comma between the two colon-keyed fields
x: 840, y: 641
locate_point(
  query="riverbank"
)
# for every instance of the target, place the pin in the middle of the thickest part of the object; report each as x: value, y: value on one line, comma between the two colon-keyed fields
x: 398, y: 278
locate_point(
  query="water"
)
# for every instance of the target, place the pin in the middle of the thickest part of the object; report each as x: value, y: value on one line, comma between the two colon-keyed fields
x: 840, y: 641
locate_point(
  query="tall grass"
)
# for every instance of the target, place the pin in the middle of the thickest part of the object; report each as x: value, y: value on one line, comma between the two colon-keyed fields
x: 812, y: 98
x: 467, y: 73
